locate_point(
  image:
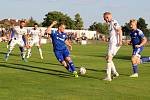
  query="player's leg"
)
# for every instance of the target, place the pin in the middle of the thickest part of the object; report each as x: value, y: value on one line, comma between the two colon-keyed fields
x: 135, y: 61
x: 12, y: 45
x: 9, y: 43
x: 39, y: 48
x: 67, y: 57
x: 30, y: 43
x: 113, y: 68
x: 108, y: 69
x: 23, y: 50
x: 60, y: 58
x: 145, y: 59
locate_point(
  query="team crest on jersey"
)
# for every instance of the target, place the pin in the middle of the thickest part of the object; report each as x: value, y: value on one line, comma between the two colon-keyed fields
x: 63, y: 36
x: 135, y: 34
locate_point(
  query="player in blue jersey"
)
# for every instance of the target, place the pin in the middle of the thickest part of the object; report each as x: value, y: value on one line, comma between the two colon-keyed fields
x: 60, y: 43
x: 138, y: 40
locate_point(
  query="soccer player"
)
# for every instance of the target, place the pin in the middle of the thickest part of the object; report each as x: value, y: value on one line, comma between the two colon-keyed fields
x: 60, y: 43
x: 35, y: 39
x: 18, y: 37
x: 115, y: 42
x: 138, y: 40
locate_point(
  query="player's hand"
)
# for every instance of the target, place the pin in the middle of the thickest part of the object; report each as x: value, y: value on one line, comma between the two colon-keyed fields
x: 54, y: 22
x: 70, y: 47
x: 137, y: 46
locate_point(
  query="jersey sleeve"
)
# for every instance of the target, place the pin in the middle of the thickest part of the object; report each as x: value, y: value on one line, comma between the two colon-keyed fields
x: 52, y: 33
x: 116, y: 25
x: 141, y: 34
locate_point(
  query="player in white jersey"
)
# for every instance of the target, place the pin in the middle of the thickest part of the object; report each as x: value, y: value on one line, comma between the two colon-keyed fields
x: 115, y: 42
x: 35, y: 39
x: 18, y: 37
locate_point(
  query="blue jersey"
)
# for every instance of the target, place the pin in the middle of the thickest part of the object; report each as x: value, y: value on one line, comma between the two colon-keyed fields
x: 136, y: 37
x: 58, y: 40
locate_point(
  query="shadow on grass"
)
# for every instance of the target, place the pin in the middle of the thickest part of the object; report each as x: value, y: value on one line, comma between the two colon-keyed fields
x: 40, y: 70
x: 45, y: 63
x: 37, y: 70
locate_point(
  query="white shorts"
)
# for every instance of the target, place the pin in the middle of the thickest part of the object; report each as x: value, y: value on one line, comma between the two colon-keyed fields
x: 35, y: 42
x: 20, y: 42
x: 113, y: 49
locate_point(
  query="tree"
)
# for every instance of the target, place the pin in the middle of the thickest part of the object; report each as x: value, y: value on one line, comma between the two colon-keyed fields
x: 78, y: 22
x: 31, y: 22
x: 99, y: 27
x: 60, y: 18
x: 126, y: 29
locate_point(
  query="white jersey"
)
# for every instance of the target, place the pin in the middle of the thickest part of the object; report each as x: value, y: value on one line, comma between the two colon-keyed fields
x: 19, y: 32
x: 113, y: 35
x: 35, y: 33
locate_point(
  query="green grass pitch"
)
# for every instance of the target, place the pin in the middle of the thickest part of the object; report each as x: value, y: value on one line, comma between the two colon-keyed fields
x: 48, y: 80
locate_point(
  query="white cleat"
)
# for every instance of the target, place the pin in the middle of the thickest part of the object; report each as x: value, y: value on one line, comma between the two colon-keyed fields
x: 107, y: 79
x: 28, y: 56
x: 135, y: 75
x: 42, y: 57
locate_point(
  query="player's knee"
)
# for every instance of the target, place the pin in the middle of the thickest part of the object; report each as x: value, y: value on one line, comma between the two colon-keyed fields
x: 64, y: 63
x: 109, y: 59
x: 68, y: 59
x: 135, y: 60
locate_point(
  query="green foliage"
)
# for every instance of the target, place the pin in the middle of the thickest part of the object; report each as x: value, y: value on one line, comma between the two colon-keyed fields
x: 99, y: 27
x: 78, y: 22
x: 60, y: 18
x: 31, y: 22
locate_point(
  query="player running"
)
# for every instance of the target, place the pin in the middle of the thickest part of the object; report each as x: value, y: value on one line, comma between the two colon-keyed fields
x: 115, y: 42
x: 18, y: 37
x: 61, y: 51
x: 34, y: 38
x: 138, y: 40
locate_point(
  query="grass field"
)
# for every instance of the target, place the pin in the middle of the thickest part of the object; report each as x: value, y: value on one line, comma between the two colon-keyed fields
x: 48, y: 80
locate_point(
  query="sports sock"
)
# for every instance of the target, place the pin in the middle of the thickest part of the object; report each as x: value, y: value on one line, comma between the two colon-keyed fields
x: 135, y: 68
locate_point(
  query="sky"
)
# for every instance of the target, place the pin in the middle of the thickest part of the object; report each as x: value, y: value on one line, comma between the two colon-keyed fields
x: 90, y: 10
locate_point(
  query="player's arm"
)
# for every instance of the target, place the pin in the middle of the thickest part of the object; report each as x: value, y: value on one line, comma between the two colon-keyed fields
x: 119, y: 31
x: 68, y: 44
x: 144, y: 40
x: 48, y: 30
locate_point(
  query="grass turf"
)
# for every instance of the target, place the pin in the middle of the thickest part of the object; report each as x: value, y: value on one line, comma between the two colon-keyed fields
x: 48, y: 80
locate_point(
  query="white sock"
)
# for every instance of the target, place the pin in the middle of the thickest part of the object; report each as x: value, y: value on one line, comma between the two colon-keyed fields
x: 113, y: 68
x: 29, y: 52
x: 40, y: 51
x: 109, y: 70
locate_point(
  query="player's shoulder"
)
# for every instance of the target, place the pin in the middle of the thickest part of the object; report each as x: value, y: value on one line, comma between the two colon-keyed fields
x: 115, y: 22
x: 139, y: 31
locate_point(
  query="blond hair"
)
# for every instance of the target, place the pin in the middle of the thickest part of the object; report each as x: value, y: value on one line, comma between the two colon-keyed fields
x: 107, y: 13
x: 133, y: 21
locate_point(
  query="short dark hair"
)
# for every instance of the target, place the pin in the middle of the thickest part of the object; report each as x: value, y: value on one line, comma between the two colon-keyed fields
x: 35, y: 23
x: 62, y: 23
x: 22, y: 21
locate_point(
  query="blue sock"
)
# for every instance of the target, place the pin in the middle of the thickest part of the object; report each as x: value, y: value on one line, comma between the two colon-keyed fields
x: 135, y: 68
x: 72, y: 67
x: 145, y: 59
x: 68, y: 68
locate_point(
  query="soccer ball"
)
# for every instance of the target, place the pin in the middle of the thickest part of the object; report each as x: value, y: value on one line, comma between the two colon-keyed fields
x: 82, y: 70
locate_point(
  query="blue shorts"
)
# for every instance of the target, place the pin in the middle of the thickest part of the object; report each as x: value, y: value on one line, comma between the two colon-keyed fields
x: 61, y: 55
x: 137, y: 51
